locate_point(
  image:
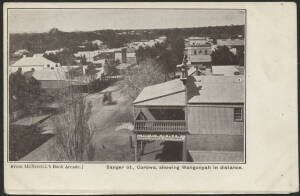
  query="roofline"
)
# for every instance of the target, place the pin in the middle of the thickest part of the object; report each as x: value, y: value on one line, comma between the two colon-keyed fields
x: 159, y: 97
x: 216, y: 103
x: 26, y: 65
x: 169, y: 106
x: 49, y: 80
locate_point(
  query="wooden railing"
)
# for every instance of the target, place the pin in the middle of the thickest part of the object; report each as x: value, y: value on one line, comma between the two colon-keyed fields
x: 160, y: 125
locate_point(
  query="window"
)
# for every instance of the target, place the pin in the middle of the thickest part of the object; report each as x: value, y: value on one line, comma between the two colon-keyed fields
x: 52, y: 68
x: 238, y: 114
x: 32, y: 69
x: 205, y: 52
x: 195, y: 52
x: 199, y: 52
x: 48, y: 65
x: 56, y: 65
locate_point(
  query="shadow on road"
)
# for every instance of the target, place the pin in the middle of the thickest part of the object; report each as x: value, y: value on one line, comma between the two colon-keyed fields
x: 24, y: 140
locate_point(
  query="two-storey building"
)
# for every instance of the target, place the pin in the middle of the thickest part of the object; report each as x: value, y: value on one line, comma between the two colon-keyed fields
x: 203, y: 113
x: 198, y: 51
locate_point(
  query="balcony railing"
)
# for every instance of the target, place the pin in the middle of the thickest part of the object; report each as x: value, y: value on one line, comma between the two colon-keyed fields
x: 160, y: 125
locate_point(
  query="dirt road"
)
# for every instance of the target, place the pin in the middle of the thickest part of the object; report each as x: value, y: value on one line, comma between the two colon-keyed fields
x: 110, y: 144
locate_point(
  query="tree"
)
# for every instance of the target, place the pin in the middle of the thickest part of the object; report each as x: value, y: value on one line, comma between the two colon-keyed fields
x: 167, y: 61
x: 147, y: 73
x: 223, y: 56
x: 52, y: 57
x: 176, y: 43
x: 240, y: 56
x: 64, y: 57
x: 24, y: 93
x: 74, y: 132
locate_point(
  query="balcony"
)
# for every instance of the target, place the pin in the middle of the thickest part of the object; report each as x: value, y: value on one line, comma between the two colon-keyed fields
x: 167, y: 126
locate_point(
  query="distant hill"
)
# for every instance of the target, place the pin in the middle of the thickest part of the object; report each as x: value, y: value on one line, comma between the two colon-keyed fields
x: 39, y: 42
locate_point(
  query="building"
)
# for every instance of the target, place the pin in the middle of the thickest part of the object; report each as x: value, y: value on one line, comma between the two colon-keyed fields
x: 123, y: 68
x: 198, y: 51
x: 53, y: 51
x: 147, y: 43
x: 121, y: 55
x: 97, y: 42
x: 88, y: 55
x: 230, y: 42
x: 216, y: 120
x: 20, y: 53
x: 225, y: 70
x: 131, y: 56
x: 35, y: 62
x: 98, y: 56
x: 161, y: 39
x: 51, y: 79
x: 236, y: 46
x: 199, y: 54
x: 203, y: 113
x: 194, y: 41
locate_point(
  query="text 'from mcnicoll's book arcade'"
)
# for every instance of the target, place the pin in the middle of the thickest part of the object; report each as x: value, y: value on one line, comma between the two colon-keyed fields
x: 46, y: 166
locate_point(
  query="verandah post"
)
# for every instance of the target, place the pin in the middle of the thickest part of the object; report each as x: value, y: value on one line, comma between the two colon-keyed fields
x: 135, y: 149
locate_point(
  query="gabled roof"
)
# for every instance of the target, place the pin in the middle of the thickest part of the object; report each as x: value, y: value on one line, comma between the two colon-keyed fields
x: 33, y: 61
x: 48, y: 74
x: 201, y: 90
x: 219, y: 89
x: 160, y: 90
x: 176, y: 99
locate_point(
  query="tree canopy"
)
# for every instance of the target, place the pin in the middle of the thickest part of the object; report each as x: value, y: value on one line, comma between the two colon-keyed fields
x: 39, y: 42
x: 24, y: 93
x: 145, y: 74
x: 223, y: 56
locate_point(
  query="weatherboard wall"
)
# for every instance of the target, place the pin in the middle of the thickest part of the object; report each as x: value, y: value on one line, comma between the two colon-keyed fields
x: 214, y: 119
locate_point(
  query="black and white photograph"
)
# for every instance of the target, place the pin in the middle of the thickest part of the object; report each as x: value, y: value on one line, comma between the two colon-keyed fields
x: 126, y: 85
x: 104, y: 98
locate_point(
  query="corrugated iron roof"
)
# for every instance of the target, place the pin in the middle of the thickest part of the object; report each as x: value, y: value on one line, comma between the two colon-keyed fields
x: 48, y: 74
x: 219, y: 89
x: 160, y: 90
x: 177, y: 99
x: 33, y: 61
x: 201, y: 89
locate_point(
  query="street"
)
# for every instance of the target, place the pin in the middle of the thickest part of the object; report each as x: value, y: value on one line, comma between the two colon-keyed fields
x: 111, y: 142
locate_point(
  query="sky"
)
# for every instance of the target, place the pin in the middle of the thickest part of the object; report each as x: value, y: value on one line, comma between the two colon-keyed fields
x: 38, y: 20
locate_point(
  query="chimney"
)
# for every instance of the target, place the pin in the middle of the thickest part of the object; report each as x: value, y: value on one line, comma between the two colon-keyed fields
x: 24, y: 55
x: 183, y: 69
